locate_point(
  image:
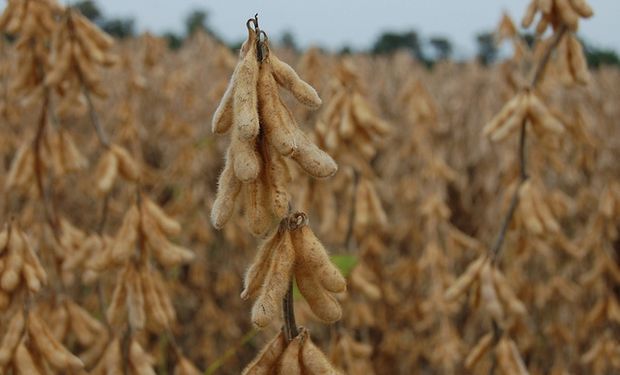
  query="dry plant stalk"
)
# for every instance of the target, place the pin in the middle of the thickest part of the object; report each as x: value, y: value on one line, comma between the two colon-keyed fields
x: 263, y: 133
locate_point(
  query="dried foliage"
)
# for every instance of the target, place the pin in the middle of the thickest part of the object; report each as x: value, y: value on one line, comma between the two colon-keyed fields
x: 473, y: 215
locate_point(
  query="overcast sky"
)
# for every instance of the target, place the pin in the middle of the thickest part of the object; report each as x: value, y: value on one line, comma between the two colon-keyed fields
x: 334, y: 23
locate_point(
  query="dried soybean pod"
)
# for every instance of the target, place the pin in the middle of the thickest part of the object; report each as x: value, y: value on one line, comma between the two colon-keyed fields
x: 228, y: 188
x: 568, y: 14
x: 140, y: 361
x: 60, y: 67
x: 346, y: 128
x: 374, y: 203
x: 166, y: 253
x: 312, y: 159
x: 14, y: 262
x: 276, y: 283
x: 223, y: 115
x: 286, y: 77
x: 167, y: 224
x: 135, y: 300
x: 528, y: 210
x: 255, y: 276
x: 529, y: 14
x: 246, y: 160
x: 480, y: 349
x: 578, y: 63
x: 155, y: 312
x: 323, y: 304
x: 50, y: 348
x: 582, y: 7
x: 127, y: 166
x: 31, y: 258
x: 245, y: 105
x: 257, y: 206
x: 311, y: 255
x: 21, y: 169
x: 314, y: 361
x: 516, y: 358
x: 276, y: 120
x: 185, y: 367
x: 513, y: 122
x: 277, y: 179
x: 24, y: 363
x: 466, y: 279
x: 267, y: 360
x: 289, y: 361
x: 507, y: 295
x: 10, y: 340
x: 362, y: 113
x: 116, y: 309
x: 106, y: 172
x: 539, y: 112
x: 489, y: 294
x: 164, y: 297
x: 503, y: 115
x: 90, y: 329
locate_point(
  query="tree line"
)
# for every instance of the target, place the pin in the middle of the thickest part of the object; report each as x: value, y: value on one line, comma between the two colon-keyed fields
x: 427, y: 49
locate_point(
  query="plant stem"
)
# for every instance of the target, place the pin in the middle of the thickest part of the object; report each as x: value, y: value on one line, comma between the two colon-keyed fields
x: 290, y: 326
x: 538, y: 74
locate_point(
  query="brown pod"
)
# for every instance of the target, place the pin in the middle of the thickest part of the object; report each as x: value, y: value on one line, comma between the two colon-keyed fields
x: 288, y: 78
x: 567, y: 14
x: 465, y: 280
x: 277, y: 177
x: 255, y: 276
x: 311, y: 255
x: 247, y: 162
x: 185, y: 367
x: 12, y: 335
x: 106, y: 172
x: 276, y: 120
x: 257, y: 208
x: 266, y: 361
x: 127, y: 166
x: 276, y: 283
x: 24, y: 362
x: 228, y: 188
x: 314, y: 361
x: 245, y: 105
x: 577, y: 61
x: 312, y: 159
x: 290, y: 359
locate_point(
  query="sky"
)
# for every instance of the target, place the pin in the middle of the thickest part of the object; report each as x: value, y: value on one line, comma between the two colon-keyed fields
x: 334, y: 23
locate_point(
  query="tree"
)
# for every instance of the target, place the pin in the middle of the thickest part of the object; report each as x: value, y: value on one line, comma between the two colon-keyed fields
x: 174, y: 40
x: 597, y: 57
x: 89, y: 9
x: 288, y: 40
x: 119, y: 27
x: 196, y: 20
x: 487, y: 50
x: 390, y: 42
x: 442, y: 46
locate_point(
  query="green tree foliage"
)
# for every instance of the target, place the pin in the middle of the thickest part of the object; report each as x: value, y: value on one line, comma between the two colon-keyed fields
x: 196, y: 20
x: 442, y: 46
x: 390, y: 42
x: 89, y: 9
x: 598, y: 57
x: 288, y: 40
x: 487, y: 49
x: 119, y: 27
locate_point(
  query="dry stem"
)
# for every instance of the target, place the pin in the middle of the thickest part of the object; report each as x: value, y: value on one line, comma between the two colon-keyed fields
x: 538, y: 74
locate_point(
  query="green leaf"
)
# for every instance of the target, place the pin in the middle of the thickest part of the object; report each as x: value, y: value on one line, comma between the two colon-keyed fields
x: 345, y: 263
